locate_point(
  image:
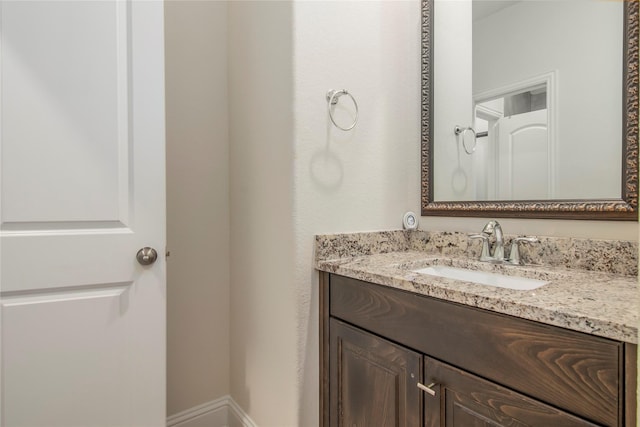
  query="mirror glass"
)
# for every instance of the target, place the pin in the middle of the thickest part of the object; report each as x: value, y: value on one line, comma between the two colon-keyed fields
x: 527, y: 100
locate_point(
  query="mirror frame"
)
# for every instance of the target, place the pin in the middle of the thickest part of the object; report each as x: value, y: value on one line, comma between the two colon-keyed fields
x: 624, y: 208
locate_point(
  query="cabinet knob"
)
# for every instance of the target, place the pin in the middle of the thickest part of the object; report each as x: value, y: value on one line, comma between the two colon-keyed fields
x: 427, y: 388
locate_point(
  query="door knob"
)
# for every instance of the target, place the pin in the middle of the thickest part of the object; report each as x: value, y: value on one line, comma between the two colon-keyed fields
x: 147, y: 256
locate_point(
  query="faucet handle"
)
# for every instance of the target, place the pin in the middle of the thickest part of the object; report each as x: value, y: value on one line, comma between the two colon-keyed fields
x: 484, y: 255
x: 514, y: 255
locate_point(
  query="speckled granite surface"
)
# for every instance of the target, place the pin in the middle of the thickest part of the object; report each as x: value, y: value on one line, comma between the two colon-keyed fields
x: 593, y: 284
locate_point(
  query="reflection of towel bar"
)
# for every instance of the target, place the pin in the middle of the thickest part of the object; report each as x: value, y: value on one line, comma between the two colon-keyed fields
x: 482, y: 134
x: 460, y: 131
x: 332, y: 100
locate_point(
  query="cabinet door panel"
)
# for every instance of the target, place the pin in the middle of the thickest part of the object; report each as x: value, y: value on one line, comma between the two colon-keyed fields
x: 373, y: 382
x: 464, y: 400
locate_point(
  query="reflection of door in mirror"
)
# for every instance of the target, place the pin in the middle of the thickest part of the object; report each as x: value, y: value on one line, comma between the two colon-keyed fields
x: 514, y: 153
x: 523, y: 157
x: 485, y: 46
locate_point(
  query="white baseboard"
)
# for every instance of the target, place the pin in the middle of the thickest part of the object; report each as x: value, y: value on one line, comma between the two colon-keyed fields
x: 237, y: 416
x: 222, y: 412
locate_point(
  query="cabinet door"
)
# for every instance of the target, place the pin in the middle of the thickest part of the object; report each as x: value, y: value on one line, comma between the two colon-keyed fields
x: 464, y: 400
x: 373, y: 382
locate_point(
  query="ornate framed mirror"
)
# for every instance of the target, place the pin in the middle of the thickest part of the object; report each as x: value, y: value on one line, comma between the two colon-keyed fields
x: 587, y: 166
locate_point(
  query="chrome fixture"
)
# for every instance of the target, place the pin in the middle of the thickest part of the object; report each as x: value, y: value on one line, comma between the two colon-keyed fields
x: 514, y: 254
x: 485, y: 255
x: 460, y: 131
x: 428, y: 388
x: 496, y: 254
x: 332, y: 99
x: 491, y: 228
x: 147, y: 256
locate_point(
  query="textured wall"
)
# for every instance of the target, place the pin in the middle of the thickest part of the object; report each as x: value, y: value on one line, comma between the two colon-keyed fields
x: 197, y: 203
x: 292, y: 175
x: 360, y: 180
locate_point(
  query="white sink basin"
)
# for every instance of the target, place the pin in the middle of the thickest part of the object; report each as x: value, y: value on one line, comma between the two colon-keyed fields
x: 483, y: 277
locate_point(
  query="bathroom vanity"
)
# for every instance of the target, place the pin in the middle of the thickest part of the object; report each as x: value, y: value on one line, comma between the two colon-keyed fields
x: 401, y: 348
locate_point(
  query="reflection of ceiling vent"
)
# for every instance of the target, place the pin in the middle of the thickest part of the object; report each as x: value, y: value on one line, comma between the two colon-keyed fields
x: 525, y: 102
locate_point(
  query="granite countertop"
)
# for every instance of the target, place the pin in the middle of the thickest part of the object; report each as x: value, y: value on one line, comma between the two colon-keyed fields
x: 600, y: 298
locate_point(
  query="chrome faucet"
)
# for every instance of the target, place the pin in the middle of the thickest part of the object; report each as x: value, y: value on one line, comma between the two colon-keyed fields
x: 491, y: 228
x: 496, y: 255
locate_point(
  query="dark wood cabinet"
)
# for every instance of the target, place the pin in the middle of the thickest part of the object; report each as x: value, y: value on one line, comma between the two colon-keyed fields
x: 373, y: 381
x: 466, y: 400
x: 489, y: 369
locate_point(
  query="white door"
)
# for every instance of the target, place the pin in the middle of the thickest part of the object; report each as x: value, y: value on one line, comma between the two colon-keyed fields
x: 82, y: 189
x: 524, y: 171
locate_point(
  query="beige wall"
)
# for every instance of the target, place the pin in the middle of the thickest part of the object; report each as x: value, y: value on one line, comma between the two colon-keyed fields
x: 263, y: 323
x: 197, y: 203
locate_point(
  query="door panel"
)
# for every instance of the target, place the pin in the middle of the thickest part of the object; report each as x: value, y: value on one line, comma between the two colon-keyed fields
x: 524, y: 157
x: 82, y: 189
x: 373, y: 382
x: 81, y: 366
x: 65, y: 105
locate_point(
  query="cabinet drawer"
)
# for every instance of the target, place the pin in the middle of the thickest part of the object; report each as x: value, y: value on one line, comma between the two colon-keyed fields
x: 577, y: 372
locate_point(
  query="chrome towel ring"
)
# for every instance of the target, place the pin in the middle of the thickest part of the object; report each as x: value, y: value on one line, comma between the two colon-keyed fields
x: 332, y: 99
x: 459, y: 130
